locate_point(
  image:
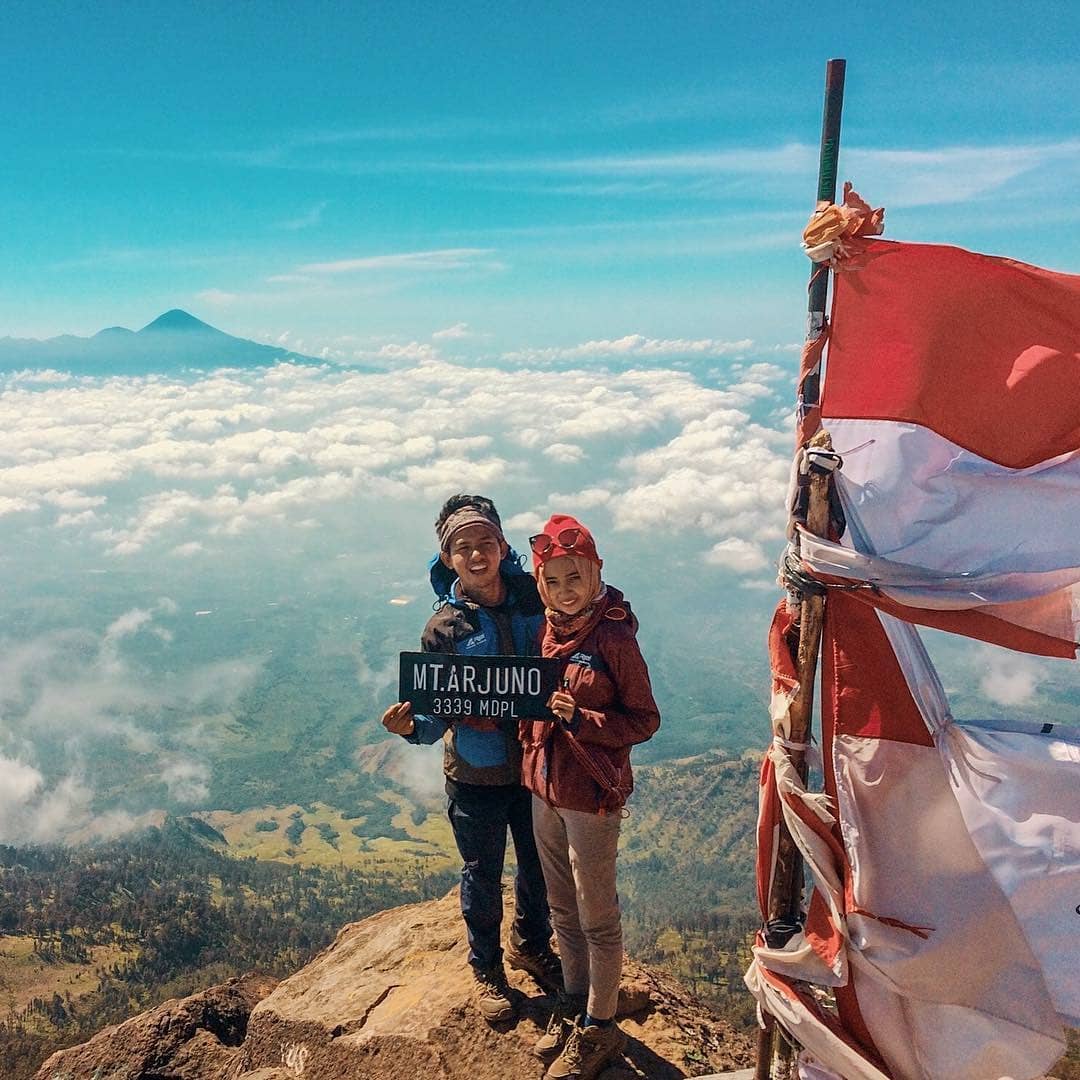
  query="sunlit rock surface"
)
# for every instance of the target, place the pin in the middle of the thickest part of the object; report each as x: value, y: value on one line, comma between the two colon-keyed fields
x: 391, y: 999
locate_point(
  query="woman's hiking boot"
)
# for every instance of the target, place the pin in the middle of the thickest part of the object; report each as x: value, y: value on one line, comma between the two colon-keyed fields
x: 494, y: 996
x: 588, y: 1051
x: 568, y: 1008
x: 545, y: 967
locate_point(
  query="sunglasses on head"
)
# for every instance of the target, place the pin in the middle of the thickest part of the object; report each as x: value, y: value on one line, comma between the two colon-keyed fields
x: 543, y: 544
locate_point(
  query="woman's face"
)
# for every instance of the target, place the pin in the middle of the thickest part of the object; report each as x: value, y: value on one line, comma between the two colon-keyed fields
x: 568, y: 590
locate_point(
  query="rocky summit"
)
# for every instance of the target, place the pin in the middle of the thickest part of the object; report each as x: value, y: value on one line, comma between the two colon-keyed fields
x: 391, y: 999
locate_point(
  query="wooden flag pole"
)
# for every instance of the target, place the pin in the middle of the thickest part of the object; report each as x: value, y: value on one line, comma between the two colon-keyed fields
x: 785, y: 898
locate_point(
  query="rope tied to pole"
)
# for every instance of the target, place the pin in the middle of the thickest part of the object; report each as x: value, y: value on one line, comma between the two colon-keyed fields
x: 835, y: 232
x: 796, y: 581
x: 800, y: 584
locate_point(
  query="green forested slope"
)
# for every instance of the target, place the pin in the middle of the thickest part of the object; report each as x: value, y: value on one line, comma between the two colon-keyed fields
x: 686, y: 872
x: 180, y: 913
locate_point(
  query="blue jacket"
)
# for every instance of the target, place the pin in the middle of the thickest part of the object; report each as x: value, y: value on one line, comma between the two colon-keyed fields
x: 474, y: 750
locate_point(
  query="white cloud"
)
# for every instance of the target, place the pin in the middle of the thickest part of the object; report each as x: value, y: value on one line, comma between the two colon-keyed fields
x: 72, y: 500
x: 50, y: 814
x: 31, y: 811
x: 437, y: 477
x: 14, y: 505
x: 438, y: 260
x: 18, y: 782
x: 86, y: 517
x: 379, y: 678
x: 586, y: 499
x: 79, y: 470
x: 35, y: 376
x: 1008, y: 678
x: 591, y: 497
x: 632, y: 345
x: 465, y: 444
x: 951, y: 174
x: 527, y: 523
x: 762, y: 372
x: 306, y: 220
x: 453, y: 333
x: 110, y: 825
x: 790, y: 159
x: 275, y: 463
x: 739, y: 555
x: 723, y: 476
x: 578, y: 503
x: 186, y: 780
x: 289, y: 279
x: 422, y: 773
x: 760, y: 585
x: 131, y: 622
x: 893, y: 176
x: 564, y: 453
x: 217, y: 298
x: 67, y: 692
x: 412, y: 351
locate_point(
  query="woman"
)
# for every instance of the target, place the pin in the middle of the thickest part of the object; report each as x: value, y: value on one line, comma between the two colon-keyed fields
x: 578, y: 769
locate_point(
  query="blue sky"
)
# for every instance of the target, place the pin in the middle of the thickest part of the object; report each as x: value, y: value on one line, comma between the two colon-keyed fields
x: 552, y: 255
x: 352, y: 176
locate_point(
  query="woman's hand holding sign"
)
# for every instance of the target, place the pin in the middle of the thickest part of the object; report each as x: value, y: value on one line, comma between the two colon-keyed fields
x: 562, y: 704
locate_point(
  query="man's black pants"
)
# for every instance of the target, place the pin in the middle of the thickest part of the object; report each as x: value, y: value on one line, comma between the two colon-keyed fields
x: 480, y: 816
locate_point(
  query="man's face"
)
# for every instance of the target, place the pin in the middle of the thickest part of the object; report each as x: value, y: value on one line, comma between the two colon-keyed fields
x: 474, y: 555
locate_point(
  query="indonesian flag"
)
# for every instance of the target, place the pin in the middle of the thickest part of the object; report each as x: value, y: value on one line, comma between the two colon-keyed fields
x: 945, y: 856
x: 946, y: 870
x: 952, y: 391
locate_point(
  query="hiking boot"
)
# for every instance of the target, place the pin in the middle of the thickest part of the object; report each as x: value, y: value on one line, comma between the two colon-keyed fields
x: 545, y: 967
x: 567, y: 1008
x: 493, y: 994
x: 588, y: 1051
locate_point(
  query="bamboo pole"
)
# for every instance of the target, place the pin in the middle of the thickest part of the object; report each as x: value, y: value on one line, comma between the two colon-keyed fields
x: 785, y: 897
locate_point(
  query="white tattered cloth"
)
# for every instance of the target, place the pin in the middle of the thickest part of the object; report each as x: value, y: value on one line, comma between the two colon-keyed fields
x: 944, y: 897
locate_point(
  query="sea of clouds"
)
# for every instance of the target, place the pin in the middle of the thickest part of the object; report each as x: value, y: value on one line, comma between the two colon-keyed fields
x: 123, y: 463
x: 121, y: 499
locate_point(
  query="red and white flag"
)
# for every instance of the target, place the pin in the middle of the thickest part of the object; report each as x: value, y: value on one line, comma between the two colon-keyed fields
x: 952, y: 391
x: 945, y: 856
x: 946, y: 867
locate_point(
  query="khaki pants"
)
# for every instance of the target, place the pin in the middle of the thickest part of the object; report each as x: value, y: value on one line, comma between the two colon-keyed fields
x: 578, y: 852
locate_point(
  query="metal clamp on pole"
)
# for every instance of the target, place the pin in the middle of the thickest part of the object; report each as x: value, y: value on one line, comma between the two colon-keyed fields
x: 820, y: 461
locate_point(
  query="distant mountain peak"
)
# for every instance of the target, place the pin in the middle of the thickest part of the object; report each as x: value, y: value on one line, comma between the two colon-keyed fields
x: 174, y: 342
x: 177, y: 319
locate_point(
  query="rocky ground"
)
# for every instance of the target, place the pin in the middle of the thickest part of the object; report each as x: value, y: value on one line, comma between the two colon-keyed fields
x: 390, y: 999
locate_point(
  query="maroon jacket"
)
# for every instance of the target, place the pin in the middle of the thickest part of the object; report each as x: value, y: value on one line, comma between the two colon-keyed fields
x: 615, y: 709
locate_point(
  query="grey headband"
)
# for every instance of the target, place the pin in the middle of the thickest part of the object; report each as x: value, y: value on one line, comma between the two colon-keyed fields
x: 467, y: 515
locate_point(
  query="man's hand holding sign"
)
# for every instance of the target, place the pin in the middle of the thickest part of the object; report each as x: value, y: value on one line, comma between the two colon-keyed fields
x: 398, y: 719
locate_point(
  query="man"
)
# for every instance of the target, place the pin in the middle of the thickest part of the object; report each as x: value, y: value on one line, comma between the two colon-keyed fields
x: 489, y: 606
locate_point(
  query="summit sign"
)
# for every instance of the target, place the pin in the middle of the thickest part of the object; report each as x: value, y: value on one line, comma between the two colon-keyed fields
x: 496, y: 687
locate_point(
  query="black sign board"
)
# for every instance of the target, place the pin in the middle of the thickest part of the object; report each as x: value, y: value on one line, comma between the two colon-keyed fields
x: 497, y: 687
